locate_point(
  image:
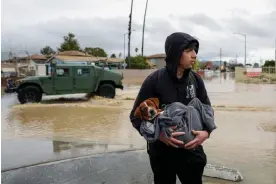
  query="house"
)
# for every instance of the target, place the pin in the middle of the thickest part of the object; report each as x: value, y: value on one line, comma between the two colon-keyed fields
x: 212, y: 65
x: 158, y: 60
x: 8, y: 70
x: 84, y: 58
x: 33, y: 65
x: 29, y: 65
x: 37, y: 65
x: 14, y: 67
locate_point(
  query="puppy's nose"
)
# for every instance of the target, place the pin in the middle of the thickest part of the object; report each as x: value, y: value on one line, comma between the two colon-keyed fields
x: 152, y: 112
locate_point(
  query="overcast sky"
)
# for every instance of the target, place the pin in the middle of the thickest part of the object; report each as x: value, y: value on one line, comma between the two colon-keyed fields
x: 32, y: 24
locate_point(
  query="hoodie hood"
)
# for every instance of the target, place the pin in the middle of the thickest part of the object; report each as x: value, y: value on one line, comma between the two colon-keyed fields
x: 174, y: 47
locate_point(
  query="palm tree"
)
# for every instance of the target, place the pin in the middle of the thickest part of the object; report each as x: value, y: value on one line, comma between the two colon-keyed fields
x: 129, y: 31
x: 142, y: 50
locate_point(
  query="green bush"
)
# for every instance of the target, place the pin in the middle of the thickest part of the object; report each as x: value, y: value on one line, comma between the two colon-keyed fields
x: 196, y: 66
x: 137, y: 62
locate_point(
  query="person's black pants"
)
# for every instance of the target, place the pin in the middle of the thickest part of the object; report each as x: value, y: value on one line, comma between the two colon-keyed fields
x: 167, y: 162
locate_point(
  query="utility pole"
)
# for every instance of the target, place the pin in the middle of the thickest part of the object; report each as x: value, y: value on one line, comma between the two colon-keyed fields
x: 125, y: 46
x: 245, y: 50
x: 142, y: 50
x: 275, y: 56
x: 125, y: 50
x: 244, y: 47
x: 220, y: 59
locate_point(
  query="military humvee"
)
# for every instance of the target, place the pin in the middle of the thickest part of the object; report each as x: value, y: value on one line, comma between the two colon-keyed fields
x: 69, y: 79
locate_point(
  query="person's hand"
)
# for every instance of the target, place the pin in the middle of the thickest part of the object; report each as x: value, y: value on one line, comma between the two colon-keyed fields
x: 201, y: 136
x: 171, y: 141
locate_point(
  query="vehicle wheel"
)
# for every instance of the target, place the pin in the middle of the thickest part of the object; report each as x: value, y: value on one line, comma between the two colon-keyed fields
x: 107, y: 91
x: 29, y: 94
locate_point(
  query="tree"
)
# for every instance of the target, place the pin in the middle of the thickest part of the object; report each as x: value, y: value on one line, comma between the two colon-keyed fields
x: 256, y: 65
x: 269, y: 66
x: 120, y: 55
x: 202, y: 65
x: 144, y: 28
x: 136, y: 50
x: 98, y: 52
x: 196, y: 65
x: 69, y: 43
x: 129, y: 31
x: 138, y: 62
x: 113, y: 55
x: 47, y: 51
x: 224, y: 64
x: 269, y: 63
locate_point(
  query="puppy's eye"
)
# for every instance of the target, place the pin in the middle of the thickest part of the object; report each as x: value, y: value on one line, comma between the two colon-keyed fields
x: 144, y: 110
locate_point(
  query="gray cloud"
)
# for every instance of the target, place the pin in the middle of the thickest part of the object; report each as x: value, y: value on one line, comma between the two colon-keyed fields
x: 273, y: 3
x: 261, y: 26
x: 204, y: 20
x: 108, y: 33
x: 96, y: 32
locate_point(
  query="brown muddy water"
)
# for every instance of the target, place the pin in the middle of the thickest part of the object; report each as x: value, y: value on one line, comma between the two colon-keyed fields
x: 245, y: 138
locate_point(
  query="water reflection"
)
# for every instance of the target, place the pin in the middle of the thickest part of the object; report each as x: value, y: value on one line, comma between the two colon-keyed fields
x: 37, y: 151
x: 224, y: 77
x: 244, y: 140
x: 70, y: 123
x: 79, y: 147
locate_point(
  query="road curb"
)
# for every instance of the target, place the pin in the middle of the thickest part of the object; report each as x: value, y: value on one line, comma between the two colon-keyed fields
x: 115, y: 168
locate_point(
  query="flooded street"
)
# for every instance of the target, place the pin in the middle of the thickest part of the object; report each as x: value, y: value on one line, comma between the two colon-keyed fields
x: 245, y: 138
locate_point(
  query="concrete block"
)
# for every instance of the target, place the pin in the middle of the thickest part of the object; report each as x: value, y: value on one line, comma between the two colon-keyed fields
x: 222, y: 172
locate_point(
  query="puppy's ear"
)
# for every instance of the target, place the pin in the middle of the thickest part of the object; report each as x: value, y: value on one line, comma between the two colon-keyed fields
x: 155, y: 101
x: 137, y: 113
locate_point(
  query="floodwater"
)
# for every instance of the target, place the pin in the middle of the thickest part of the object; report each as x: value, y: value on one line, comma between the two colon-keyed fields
x: 245, y: 138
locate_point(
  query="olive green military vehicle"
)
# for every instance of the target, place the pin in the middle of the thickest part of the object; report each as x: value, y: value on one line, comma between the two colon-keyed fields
x: 69, y: 79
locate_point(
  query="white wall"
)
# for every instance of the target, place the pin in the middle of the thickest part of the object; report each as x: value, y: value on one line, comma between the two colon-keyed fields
x: 40, y: 70
x: 31, y: 65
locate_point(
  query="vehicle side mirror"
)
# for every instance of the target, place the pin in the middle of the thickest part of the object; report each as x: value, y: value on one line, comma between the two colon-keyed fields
x: 53, y: 64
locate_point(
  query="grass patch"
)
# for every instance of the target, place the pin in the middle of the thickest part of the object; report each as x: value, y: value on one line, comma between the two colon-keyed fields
x: 129, y: 98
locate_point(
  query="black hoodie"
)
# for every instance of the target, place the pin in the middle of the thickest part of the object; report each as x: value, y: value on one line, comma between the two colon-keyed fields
x: 164, y: 83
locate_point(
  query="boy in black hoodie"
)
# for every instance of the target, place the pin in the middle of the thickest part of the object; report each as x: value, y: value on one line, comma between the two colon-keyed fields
x: 176, y: 83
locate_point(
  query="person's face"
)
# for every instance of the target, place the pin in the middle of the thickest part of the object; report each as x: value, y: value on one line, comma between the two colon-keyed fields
x: 188, y: 58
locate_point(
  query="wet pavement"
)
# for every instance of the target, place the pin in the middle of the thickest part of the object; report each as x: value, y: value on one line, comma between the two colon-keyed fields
x: 245, y: 139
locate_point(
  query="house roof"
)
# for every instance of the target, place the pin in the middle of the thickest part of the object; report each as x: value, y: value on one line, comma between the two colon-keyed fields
x: 33, y: 57
x: 156, y: 56
x: 38, y: 57
x: 112, y: 60
x: 7, y: 65
x: 86, y: 59
x: 72, y: 53
x: 74, y: 58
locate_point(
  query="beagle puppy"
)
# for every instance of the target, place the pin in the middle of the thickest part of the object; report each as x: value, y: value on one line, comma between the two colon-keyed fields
x: 148, y: 109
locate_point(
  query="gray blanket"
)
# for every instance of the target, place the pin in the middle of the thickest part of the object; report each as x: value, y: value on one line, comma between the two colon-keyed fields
x: 194, y: 116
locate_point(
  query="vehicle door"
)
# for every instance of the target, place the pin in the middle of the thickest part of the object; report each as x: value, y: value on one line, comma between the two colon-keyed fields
x: 84, y: 79
x: 63, y: 81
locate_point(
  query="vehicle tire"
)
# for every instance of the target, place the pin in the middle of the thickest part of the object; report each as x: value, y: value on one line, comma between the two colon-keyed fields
x: 29, y: 94
x: 107, y: 91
